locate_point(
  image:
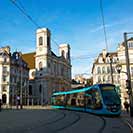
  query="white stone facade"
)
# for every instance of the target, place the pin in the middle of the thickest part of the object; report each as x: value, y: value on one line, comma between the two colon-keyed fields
x: 13, y: 76
x: 101, y: 70
x: 49, y: 72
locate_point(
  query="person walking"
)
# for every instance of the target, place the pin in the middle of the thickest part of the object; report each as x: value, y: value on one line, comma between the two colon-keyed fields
x: 126, y: 105
x: 17, y: 102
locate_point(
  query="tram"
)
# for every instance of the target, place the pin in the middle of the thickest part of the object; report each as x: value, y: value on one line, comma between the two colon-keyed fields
x: 100, y: 99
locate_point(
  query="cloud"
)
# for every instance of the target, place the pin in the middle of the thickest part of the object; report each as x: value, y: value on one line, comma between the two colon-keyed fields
x: 110, y: 25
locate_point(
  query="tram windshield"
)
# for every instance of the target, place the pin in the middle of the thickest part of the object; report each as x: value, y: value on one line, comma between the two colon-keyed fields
x: 110, y: 95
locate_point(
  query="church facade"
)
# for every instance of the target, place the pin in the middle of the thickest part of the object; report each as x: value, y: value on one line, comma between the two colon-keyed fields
x: 47, y: 71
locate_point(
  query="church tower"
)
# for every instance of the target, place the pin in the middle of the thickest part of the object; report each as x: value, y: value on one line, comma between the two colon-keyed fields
x: 43, y: 41
x: 64, y: 50
x: 43, y: 51
x: 43, y: 47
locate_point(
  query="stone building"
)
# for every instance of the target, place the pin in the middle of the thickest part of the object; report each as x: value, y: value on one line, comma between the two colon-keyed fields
x: 104, y: 68
x: 48, y: 72
x: 13, y: 76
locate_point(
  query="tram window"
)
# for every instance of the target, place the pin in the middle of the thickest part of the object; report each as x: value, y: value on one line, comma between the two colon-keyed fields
x: 68, y: 99
x: 109, y: 95
x: 97, y: 102
x: 88, y: 101
x: 59, y: 100
x: 93, y: 99
x: 80, y: 99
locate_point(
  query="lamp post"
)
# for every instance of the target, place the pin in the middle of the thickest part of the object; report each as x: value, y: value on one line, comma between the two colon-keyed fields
x: 128, y: 73
x: 119, y: 67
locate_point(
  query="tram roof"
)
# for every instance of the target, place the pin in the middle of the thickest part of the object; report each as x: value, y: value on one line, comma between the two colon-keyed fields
x: 79, y: 90
x: 72, y: 91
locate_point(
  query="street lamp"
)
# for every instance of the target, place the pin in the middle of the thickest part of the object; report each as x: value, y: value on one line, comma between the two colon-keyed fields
x: 119, y: 67
x: 128, y: 73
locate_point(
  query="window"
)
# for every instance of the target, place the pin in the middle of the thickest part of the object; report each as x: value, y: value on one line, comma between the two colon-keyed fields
x: 63, y: 53
x: 114, y: 69
x: 108, y: 69
x: 4, y: 69
x: 99, y: 79
x: 4, y: 78
x: 103, y: 69
x: 93, y: 99
x: 103, y: 78
x: 5, y: 59
x: 40, y: 65
x: 98, y: 70
x: 109, y: 78
x: 33, y: 74
x: 40, y: 40
x: 132, y: 71
x: 4, y: 88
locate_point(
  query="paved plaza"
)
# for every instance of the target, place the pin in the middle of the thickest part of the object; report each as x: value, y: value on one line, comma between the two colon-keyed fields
x: 62, y: 121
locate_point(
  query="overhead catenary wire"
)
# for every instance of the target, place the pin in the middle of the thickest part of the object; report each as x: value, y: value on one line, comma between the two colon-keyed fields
x: 20, y: 6
x: 103, y: 23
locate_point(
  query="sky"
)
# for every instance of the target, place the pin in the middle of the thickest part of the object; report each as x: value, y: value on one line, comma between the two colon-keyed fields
x: 76, y: 22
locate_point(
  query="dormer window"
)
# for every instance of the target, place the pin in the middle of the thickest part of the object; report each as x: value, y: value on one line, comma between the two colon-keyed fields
x: 40, y: 65
x: 130, y: 44
x: 40, y: 40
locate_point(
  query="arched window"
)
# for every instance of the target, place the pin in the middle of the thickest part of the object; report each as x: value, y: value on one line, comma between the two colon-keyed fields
x: 114, y: 69
x: 132, y: 71
x: 108, y: 69
x: 40, y: 65
x: 63, y: 53
x: 4, y: 98
x: 98, y: 70
x: 5, y: 59
x: 103, y: 70
x: 109, y: 78
x: 99, y: 79
x: 103, y: 78
x: 40, y: 40
x: 33, y: 74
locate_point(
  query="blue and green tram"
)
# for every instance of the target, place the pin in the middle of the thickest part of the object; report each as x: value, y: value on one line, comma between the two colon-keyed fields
x: 100, y: 99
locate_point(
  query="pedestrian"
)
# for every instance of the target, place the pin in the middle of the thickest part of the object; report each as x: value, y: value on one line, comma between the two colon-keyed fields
x: 17, y: 102
x: 126, y: 105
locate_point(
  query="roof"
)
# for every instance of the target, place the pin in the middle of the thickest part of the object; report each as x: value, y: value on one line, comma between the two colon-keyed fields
x: 130, y: 39
x: 29, y: 58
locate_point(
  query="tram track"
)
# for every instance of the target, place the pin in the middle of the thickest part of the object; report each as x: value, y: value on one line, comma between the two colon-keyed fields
x: 51, y: 124
x: 41, y: 124
x: 69, y: 124
x: 128, y: 123
x: 103, y: 125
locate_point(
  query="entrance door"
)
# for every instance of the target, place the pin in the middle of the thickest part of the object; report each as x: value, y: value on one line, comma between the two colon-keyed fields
x: 4, y: 98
